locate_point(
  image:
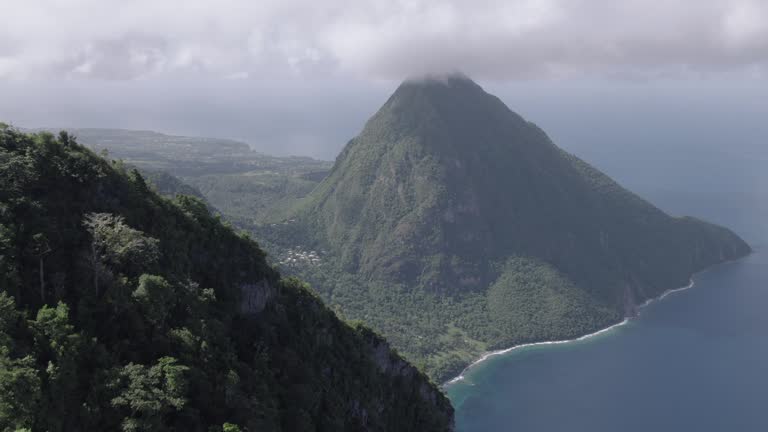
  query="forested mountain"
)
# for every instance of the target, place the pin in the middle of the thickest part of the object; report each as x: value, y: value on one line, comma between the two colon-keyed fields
x: 454, y: 226
x: 124, y: 310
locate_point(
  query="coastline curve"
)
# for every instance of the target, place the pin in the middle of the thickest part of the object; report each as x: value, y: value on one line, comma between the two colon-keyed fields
x: 496, y: 353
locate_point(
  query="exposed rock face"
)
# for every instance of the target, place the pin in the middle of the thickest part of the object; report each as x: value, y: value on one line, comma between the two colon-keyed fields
x: 255, y: 296
x: 395, y: 385
x: 630, y: 305
x: 392, y: 365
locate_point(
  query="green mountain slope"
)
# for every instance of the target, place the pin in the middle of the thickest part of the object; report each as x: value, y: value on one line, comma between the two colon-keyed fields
x: 123, y: 310
x: 451, y: 203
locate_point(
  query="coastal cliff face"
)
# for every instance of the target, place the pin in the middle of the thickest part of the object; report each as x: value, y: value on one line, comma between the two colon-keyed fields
x: 255, y: 296
x: 395, y: 367
x: 382, y: 391
x: 123, y: 310
x: 451, y: 203
x: 727, y: 247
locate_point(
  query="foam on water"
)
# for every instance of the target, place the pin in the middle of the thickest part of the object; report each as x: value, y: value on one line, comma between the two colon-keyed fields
x: 490, y: 354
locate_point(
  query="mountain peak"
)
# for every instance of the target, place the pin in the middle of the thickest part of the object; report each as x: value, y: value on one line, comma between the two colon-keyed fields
x: 446, y: 78
x: 442, y: 113
x: 440, y: 83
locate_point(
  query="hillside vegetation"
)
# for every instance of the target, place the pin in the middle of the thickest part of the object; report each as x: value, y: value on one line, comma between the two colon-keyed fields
x: 248, y: 186
x: 453, y: 225
x: 123, y: 310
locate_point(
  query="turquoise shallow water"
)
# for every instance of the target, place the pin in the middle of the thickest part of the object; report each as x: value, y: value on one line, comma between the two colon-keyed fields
x: 695, y: 361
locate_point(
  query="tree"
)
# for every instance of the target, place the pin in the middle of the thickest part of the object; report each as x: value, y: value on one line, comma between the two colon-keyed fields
x: 53, y: 330
x: 66, y: 139
x: 138, y: 180
x: 19, y: 392
x: 229, y: 427
x: 150, y: 394
x: 41, y: 248
x: 117, y: 245
x: 9, y: 316
x: 58, y: 344
x: 153, y: 296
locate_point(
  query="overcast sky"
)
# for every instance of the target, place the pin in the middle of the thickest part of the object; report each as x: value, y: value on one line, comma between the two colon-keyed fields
x: 302, y: 76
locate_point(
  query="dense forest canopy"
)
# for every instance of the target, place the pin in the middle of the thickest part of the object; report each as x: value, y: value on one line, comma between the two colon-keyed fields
x: 124, y: 310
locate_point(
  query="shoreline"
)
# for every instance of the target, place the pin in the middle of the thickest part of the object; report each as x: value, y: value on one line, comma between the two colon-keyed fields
x: 487, y: 355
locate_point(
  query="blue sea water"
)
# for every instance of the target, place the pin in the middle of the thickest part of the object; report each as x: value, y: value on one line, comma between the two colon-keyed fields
x: 695, y: 361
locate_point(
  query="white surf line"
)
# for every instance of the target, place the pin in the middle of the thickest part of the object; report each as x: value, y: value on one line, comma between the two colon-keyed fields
x: 490, y: 354
x: 666, y: 293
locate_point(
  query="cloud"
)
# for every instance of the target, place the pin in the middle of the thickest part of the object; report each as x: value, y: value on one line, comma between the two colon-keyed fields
x: 496, y: 39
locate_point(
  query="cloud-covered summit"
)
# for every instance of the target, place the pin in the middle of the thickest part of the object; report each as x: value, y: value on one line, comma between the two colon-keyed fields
x: 494, y: 39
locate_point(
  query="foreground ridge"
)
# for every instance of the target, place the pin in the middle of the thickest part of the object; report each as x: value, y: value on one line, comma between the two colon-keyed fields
x: 123, y: 310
